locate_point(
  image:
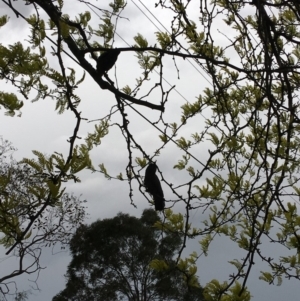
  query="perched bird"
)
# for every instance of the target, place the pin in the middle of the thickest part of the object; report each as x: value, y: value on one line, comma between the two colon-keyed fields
x: 106, y: 60
x: 153, y: 186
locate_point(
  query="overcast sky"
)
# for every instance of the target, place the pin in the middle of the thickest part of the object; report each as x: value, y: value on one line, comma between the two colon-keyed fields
x: 40, y: 128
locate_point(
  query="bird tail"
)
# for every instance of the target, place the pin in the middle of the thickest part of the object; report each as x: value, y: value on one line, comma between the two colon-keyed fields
x: 159, y: 203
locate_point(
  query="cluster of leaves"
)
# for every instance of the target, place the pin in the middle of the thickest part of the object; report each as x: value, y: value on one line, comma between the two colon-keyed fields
x: 254, y: 132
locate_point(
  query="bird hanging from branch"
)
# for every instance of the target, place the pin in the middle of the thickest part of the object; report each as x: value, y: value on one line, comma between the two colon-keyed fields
x: 107, y: 60
x: 153, y: 186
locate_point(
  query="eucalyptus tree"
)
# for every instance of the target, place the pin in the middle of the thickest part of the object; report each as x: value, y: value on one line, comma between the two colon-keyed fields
x: 112, y: 258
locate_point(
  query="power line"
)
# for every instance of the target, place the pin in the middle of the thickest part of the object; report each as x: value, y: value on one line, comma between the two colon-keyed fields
x: 170, y: 34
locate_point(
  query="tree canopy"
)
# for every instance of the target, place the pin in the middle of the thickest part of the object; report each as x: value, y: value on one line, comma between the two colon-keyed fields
x: 111, y: 260
x: 229, y: 149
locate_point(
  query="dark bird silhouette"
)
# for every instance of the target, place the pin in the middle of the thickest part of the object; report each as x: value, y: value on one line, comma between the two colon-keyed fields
x: 153, y: 186
x: 106, y: 60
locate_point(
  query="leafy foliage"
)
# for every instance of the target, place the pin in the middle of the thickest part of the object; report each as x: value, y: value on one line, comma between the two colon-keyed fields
x: 33, y: 214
